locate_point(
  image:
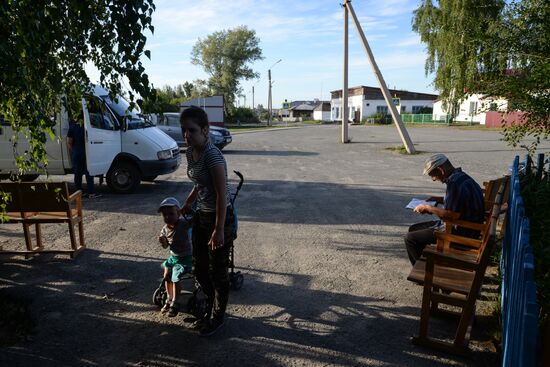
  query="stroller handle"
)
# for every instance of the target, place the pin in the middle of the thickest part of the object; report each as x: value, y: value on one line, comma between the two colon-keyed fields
x: 241, y: 181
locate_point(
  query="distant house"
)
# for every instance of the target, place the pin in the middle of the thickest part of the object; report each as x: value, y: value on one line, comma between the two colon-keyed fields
x: 476, y: 108
x: 212, y: 105
x: 285, y: 111
x: 322, y: 112
x: 302, y: 111
x: 366, y: 101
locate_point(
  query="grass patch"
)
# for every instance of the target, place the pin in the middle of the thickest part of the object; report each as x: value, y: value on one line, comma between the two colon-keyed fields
x: 15, y: 320
x: 402, y: 150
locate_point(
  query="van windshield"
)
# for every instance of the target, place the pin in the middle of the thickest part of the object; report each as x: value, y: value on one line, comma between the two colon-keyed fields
x: 121, y: 109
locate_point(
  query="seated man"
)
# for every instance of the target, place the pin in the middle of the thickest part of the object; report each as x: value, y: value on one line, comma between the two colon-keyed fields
x: 463, y: 195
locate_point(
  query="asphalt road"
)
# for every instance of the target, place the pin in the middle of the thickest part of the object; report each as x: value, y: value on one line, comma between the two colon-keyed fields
x: 320, y: 246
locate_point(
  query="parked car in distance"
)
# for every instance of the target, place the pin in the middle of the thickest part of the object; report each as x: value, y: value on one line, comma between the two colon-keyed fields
x: 169, y: 122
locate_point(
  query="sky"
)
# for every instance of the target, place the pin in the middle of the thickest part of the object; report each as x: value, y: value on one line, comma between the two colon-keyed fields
x: 306, y: 35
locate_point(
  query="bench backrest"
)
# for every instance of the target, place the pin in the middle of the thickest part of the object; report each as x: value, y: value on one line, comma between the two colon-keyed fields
x: 488, y: 238
x: 490, y: 191
x: 36, y: 196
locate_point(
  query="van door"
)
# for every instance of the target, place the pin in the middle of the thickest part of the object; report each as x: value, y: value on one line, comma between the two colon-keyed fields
x: 103, y: 141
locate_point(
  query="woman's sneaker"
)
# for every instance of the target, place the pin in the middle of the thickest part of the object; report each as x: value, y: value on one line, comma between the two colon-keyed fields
x: 173, y: 310
x: 211, y: 326
x: 166, y: 307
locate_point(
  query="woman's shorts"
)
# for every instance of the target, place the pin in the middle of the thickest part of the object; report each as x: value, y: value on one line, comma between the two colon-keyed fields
x: 179, y: 266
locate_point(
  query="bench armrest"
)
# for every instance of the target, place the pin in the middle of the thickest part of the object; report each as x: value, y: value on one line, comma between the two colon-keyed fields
x: 77, y: 198
x: 465, y: 224
x: 448, y: 259
x: 75, y: 194
x: 466, y: 241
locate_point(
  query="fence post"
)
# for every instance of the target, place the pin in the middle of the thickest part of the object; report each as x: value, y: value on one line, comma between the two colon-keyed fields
x: 528, y: 161
x: 540, y: 166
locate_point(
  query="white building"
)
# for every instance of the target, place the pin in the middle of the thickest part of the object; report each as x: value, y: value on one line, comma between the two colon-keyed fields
x: 473, y: 109
x: 322, y: 112
x: 365, y: 101
x: 212, y: 105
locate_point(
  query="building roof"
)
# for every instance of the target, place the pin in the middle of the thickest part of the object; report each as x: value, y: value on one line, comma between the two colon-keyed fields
x: 303, y: 107
x: 376, y: 93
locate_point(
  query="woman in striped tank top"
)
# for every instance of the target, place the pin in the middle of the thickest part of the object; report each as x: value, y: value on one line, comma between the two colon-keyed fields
x: 213, y: 222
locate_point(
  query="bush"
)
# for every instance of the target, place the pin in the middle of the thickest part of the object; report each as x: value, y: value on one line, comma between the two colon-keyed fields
x: 379, y: 118
x: 536, y: 195
x: 242, y: 115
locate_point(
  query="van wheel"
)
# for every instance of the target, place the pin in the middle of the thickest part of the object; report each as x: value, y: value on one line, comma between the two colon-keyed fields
x: 149, y: 178
x: 24, y: 178
x: 123, y: 178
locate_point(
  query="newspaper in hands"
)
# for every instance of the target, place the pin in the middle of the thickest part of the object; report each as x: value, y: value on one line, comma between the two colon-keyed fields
x: 415, y: 202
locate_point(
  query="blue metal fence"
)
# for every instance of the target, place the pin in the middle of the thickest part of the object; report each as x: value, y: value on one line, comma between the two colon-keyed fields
x: 519, y: 293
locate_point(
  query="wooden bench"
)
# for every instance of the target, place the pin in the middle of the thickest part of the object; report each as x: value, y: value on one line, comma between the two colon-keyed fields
x: 34, y: 203
x: 490, y: 192
x: 454, y: 276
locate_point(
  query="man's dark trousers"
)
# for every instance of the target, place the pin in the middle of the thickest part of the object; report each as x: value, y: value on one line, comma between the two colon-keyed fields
x: 420, y: 235
x: 79, y: 168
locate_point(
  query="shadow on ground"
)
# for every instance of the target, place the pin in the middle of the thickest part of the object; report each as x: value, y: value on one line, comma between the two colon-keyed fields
x: 96, y: 310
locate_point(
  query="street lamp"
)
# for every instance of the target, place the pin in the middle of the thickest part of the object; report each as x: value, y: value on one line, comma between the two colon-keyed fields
x: 269, y: 102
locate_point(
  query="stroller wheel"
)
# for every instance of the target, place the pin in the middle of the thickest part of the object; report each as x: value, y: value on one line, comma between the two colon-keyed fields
x: 159, y: 297
x: 236, y: 280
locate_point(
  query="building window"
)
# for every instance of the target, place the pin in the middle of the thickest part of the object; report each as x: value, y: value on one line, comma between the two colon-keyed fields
x: 473, y: 108
x: 417, y: 109
x: 382, y: 110
x: 403, y: 109
x: 493, y: 107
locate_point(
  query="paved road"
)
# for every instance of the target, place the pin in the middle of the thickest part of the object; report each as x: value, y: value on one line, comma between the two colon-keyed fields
x: 320, y: 244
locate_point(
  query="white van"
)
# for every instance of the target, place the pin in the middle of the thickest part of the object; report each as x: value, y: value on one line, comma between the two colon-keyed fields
x: 121, y: 145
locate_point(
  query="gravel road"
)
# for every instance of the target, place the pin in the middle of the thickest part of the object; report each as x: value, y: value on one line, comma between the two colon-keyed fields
x: 320, y: 245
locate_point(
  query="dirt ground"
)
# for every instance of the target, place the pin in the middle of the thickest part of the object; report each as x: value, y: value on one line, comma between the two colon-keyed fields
x: 320, y: 246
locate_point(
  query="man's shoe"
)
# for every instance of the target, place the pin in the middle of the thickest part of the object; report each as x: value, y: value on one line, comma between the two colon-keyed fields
x: 94, y: 196
x: 195, y: 324
x: 211, y: 326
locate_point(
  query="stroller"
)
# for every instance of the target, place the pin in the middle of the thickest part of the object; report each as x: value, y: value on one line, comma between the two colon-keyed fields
x: 197, y: 304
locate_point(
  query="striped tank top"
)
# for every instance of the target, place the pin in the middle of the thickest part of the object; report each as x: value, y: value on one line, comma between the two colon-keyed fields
x: 199, y: 173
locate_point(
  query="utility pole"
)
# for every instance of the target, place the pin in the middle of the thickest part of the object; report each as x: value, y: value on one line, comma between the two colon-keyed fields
x: 405, y: 138
x: 253, y: 105
x: 269, y: 101
x: 345, y: 112
x: 269, y: 98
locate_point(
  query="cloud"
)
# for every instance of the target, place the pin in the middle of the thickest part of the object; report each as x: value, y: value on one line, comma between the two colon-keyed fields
x: 413, y: 40
x: 307, y: 35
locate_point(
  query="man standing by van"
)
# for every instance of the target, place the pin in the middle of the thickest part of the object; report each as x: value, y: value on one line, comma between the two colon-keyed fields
x: 77, y: 150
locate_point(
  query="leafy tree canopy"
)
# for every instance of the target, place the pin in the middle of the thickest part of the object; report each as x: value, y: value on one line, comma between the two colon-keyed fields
x: 44, y: 46
x: 167, y: 98
x: 494, y: 47
x: 225, y: 56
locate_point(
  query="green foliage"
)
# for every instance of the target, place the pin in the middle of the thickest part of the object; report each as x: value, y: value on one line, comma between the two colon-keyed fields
x: 536, y: 196
x: 379, y: 118
x: 492, y: 47
x: 44, y: 47
x: 402, y: 150
x: 167, y: 98
x: 225, y: 56
x: 243, y: 115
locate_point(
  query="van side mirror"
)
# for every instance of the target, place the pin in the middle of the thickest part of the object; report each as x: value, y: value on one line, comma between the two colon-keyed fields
x: 124, y: 126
